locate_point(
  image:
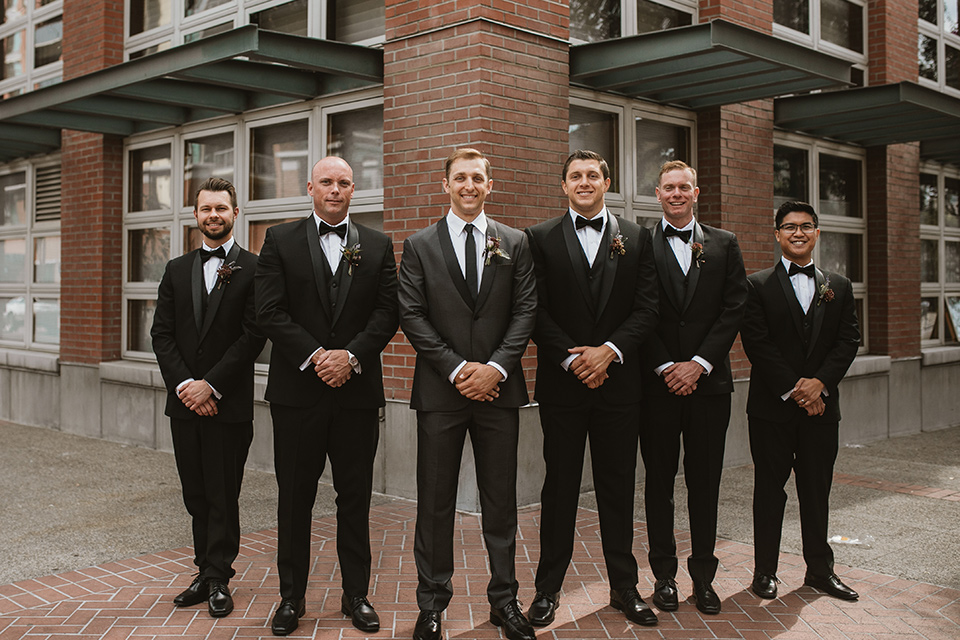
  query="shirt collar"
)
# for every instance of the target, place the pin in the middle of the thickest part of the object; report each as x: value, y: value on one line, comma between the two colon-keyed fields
x: 456, y: 223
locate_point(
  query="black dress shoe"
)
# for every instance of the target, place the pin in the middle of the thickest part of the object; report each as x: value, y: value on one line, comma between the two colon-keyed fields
x: 665, y: 595
x: 707, y: 600
x: 832, y: 586
x: 220, y: 602
x: 765, y: 586
x: 287, y: 618
x: 543, y: 610
x: 428, y: 626
x: 633, y: 606
x: 361, y: 612
x: 196, y: 593
x: 515, y: 626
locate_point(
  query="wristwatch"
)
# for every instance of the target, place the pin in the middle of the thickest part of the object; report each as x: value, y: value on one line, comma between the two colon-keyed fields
x: 352, y: 361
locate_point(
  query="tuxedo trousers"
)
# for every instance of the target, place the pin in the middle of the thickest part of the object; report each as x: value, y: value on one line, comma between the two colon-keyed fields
x: 210, y: 456
x: 303, y: 438
x: 494, y: 433
x: 809, y: 449
x: 700, y: 422
x: 613, y: 433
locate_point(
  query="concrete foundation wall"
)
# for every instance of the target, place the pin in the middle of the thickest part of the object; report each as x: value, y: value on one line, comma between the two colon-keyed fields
x: 124, y: 401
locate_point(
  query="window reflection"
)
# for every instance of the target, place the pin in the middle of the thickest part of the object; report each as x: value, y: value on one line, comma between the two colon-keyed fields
x: 207, y: 157
x: 46, y: 320
x: 150, y: 182
x: 658, y: 142
x: 13, y: 310
x: 139, y: 321
x: 794, y: 14
x: 597, y: 131
x: 929, y: 262
x: 357, y: 137
x: 290, y: 17
x: 147, y: 253
x: 46, y: 260
x: 790, y: 178
x: 657, y: 17
x: 839, y: 186
x: 13, y: 257
x: 594, y: 20
x: 841, y: 23
x: 13, y: 192
x: 279, y: 167
x: 929, y: 200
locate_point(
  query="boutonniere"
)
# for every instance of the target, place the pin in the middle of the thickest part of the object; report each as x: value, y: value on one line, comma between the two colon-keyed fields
x: 225, y: 271
x: 617, y: 248
x: 351, y: 256
x: 491, y: 249
x: 697, y: 250
x: 826, y: 293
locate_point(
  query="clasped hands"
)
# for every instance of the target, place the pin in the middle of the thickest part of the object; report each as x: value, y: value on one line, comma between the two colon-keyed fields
x: 590, y: 365
x: 197, y: 395
x: 681, y: 377
x: 808, y: 394
x: 478, y: 381
x: 333, y: 367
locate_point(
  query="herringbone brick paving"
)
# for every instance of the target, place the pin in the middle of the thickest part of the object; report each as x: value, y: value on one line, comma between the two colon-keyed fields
x: 132, y: 598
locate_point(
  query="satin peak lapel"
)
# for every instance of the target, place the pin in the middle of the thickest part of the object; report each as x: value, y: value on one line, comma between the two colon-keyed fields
x: 796, y: 311
x: 610, y: 259
x: 197, y: 289
x: 819, y: 309
x: 319, y: 262
x: 693, y: 273
x: 661, y: 253
x: 577, y: 259
x: 216, y: 294
x: 450, y: 259
x: 346, y: 278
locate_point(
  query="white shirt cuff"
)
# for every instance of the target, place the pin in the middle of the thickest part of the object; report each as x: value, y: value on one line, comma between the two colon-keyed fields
x: 453, y: 376
x: 707, y: 367
x: 569, y: 360
x: 216, y: 393
x: 659, y: 370
x: 185, y: 382
x: 619, y: 358
x: 306, y: 363
x: 503, y: 374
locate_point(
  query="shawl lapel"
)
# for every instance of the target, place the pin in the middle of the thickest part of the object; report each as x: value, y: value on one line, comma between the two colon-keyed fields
x: 197, y: 289
x: 796, y: 311
x: 819, y: 309
x: 610, y: 260
x: 577, y: 259
x: 661, y: 254
x: 693, y: 273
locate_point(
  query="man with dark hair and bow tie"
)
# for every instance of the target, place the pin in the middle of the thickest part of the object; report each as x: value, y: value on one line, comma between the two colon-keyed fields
x: 687, y: 383
x: 801, y: 335
x: 326, y: 294
x: 597, y: 304
x: 206, y: 340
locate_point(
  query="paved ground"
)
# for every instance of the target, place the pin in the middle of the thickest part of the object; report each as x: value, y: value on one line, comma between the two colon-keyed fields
x: 95, y: 546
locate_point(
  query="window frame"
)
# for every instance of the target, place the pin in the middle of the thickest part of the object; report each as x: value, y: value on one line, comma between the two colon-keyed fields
x: 813, y: 40
x: 941, y: 234
x: 939, y: 33
x: 32, y: 75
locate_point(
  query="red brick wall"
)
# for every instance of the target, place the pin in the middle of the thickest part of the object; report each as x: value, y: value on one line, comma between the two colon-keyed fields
x: 892, y: 41
x: 756, y: 14
x: 91, y: 221
x: 491, y: 75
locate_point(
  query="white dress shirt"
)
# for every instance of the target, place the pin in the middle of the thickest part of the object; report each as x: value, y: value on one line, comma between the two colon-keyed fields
x: 804, y: 287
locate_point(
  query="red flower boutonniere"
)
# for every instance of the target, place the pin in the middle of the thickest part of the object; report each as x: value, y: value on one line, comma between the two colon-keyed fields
x: 697, y: 250
x: 826, y: 294
x: 491, y: 249
x: 617, y: 248
x: 225, y: 271
x: 351, y: 255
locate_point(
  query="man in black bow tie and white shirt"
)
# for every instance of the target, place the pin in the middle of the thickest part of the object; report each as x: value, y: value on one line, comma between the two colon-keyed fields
x: 206, y: 340
x: 327, y: 298
x: 801, y: 335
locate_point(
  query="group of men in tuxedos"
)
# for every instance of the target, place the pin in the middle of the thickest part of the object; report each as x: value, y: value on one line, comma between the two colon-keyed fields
x: 633, y: 329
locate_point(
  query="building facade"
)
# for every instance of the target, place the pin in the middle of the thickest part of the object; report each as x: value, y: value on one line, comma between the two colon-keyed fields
x: 113, y: 111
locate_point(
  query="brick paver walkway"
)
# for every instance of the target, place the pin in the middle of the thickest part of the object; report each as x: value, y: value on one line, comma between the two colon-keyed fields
x: 132, y: 598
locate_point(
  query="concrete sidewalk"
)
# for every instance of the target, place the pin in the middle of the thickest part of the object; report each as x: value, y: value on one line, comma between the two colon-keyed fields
x: 108, y: 520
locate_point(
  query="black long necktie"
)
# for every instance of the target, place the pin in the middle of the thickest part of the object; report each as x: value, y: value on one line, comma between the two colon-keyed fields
x: 470, y: 257
x: 808, y: 270
x: 673, y: 231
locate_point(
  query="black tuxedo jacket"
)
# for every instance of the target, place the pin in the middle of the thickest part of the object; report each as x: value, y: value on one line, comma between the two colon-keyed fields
x: 705, y: 320
x: 625, y: 314
x: 294, y: 310
x: 772, y: 335
x: 219, y: 346
x: 444, y: 325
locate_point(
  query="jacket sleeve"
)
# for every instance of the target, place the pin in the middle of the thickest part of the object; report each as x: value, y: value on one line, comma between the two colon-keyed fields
x: 173, y: 367
x: 382, y: 322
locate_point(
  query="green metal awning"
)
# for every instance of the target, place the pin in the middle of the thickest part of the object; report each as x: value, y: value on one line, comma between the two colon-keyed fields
x: 881, y: 115
x: 704, y: 65
x: 228, y: 73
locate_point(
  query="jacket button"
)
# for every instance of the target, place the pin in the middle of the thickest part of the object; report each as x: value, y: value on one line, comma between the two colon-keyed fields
x: 199, y: 352
x: 682, y: 323
x: 334, y: 285
x: 333, y: 334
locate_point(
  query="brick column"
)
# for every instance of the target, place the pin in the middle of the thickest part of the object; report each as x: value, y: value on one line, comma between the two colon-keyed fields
x: 491, y: 75
x: 91, y: 219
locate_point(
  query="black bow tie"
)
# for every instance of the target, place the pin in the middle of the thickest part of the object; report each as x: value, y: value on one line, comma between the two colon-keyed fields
x: 594, y: 223
x: 340, y: 229
x: 673, y: 231
x: 218, y: 252
x: 808, y: 270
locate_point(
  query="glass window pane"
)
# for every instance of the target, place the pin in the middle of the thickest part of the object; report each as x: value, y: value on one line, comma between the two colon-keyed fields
x: 839, y: 186
x: 150, y: 181
x: 928, y: 11
x: 149, y: 14
x: 357, y: 137
x: 929, y: 200
x: 951, y: 66
x: 928, y: 319
x: 13, y: 310
x: 13, y: 191
x: 46, y: 320
x: 951, y: 261
x: 656, y: 17
x: 597, y: 131
x: 927, y: 58
x: 794, y: 14
x: 192, y: 238
x: 951, y: 203
x: 286, y: 18
x: 951, y: 306
x: 929, y: 262
x: 950, y: 21
x: 148, y: 253
x: 843, y: 253
x: 14, y: 55
x: 257, y: 232
x: 206, y: 33
x: 139, y: 320
x: 46, y: 260
x: 191, y: 7
x: 790, y: 180
x: 594, y: 20
x: 280, y: 164
x: 13, y: 9
x: 13, y: 258
x: 163, y: 46
x: 841, y: 23
x: 658, y: 142
x: 356, y: 20
x: 208, y: 157
x: 48, y: 41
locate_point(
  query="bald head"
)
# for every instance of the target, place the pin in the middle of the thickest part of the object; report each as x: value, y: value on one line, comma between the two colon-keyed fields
x: 331, y: 187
